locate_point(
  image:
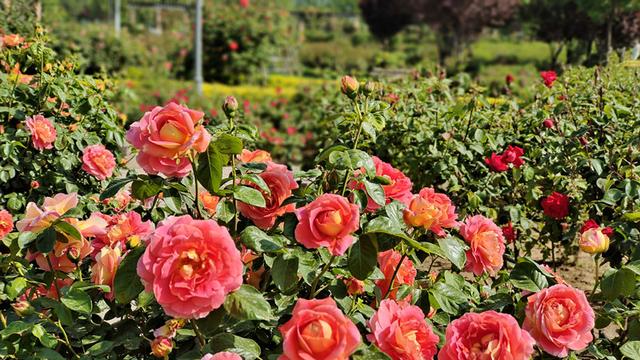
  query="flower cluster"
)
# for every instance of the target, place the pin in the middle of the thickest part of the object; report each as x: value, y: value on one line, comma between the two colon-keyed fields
x: 500, y: 162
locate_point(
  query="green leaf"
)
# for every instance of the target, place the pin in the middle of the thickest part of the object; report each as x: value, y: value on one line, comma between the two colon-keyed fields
x: 285, y: 272
x: 450, y: 298
x: 360, y: 159
x: 618, y: 282
x: 369, y: 353
x: 249, y: 196
x: 228, y: 144
x: 246, y: 348
x: 100, y: 348
x: 256, y: 179
x: 15, y: 327
x: 46, y: 239
x: 224, y: 211
x: 209, y: 170
x: 77, y: 300
x: 127, y: 283
x: 454, y: 250
x: 375, y: 192
x: 68, y: 229
x: 46, y: 339
x: 113, y: 188
x: 26, y: 238
x: 631, y: 349
x: 526, y: 276
x: 633, y: 217
x: 144, y: 189
x: 48, y: 354
x: 258, y: 240
x: 247, y: 303
x: 363, y: 257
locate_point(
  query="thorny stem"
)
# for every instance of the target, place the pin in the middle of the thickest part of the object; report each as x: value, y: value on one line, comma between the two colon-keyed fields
x: 314, y: 284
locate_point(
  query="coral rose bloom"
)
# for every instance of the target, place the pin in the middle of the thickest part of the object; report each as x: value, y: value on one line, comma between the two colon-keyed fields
x: 259, y: 156
x: 387, y: 262
x: 318, y: 330
x: 432, y: 211
x: 190, y: 266
x: 486, y: 245
x: 487, y: 335
x: 123, y: 229
x: 280, y: 182
x: 328, y: 221
x: 400, y: 331
x: 225, y: 355
x: 43, y: 133
x: 165, y: 135
x: 209, y: 202
x: 104, y: 270
x: 399, y: 187
x: 98, y: 161
x: 12, y: 40
x: 560, y: 319
x: 6, y: 223
x: 36, y: 219
x: 556, y: 205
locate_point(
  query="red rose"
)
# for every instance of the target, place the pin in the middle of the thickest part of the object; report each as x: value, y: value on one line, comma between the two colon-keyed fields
x: 548, y: 77
x: 556, y: 205
x: 233, y: 46
x: 496, y: 162
x: 592, y: 224
x: 509, y: 233
x: 513, y: 155
x: 509, y: 79
x: 548, y: 123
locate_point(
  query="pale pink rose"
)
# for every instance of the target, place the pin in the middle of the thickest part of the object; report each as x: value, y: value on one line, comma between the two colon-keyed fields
x: 43, y: 133
x: 328, y: 222
x: 259, y: 156
x: 486, y: 335
x: 165, y: 136
x: 388, y: 261
x: 104, y: 270
x: 190, y: 266
x: 225, y: 355
x: 400, y: 331
x: 318, y: 330
x: 399, y: 187
x: 6, y: 223
x: 280, y: 182
x: 431, y: 211
x: 486, y: 244
x: 123, y: 229
x: 98, y: 161
x: 36, y: 219
x: 560, y: 319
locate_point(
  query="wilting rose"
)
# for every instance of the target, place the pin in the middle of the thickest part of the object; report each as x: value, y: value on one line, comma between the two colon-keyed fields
x: 388, y: 261
x: 225, y: 355
x: 43, y: 133
x: 122, y: 230
x: 496, y: 163
x: 486, y: 335
x: 209, y: 202
x: 280, y: 182
x: 51, y: 292
x: 510, y: 234
x: 318, y: 330
x: 486, y: 244
x: 548, y: 77
x: 432, y: 211
x: 165, y: 136
x: 205, y: 266
x: 594, y: 241
x: 513, y: 155
x: 259, y: 156
x: 161, y: 347
x: 354, y: 286
x: 36, y: 219
x: 560, y: 319
x: 398, y: 187
x: 104, y: 270
x: 98, y: 161
x: 6, y: 223
x: 556, y: 205
x: 328, y: 222
x: 400, y: 331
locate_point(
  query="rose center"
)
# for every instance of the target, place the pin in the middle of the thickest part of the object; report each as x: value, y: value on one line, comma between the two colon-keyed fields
x: 330, y: 222
x: 487, y: 348
x: 170, y: 132
x: 319, y: 336
x: 189, y: 263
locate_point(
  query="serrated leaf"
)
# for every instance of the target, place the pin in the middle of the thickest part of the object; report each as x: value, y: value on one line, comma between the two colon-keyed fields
x: 247, y: 303
x: 249, y: 196
x: 363, y: 257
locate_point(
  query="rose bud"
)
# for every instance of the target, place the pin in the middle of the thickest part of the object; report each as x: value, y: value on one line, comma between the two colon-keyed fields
x: 161, y: 347
x: 548, y: 123
x: 369, y: 88
x: 22, y: 308
x: 230, y: 106
x: 594, y: 241
x: 35, y: 184
x: 349, y: 86
x: 584, y: 141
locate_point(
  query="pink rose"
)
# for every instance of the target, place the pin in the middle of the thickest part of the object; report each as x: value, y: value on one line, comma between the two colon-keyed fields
x: 328, y: 221
x: 318, y: 330
x: 487, y: 335
x: 43, y: 133
x: 399, y: 187
x: 6, y: 223
x: 122, y: 230
x: 280, y: 182
x: 560, y: 319
x: 388, y: 261
x: 165, y: 136
x: 400, y: 331
x: 98, y: 161
x: 225, y: 355
x: 190, y: 266
x: 487, y: 245
x: 104, y: 270
x: 432, y: 211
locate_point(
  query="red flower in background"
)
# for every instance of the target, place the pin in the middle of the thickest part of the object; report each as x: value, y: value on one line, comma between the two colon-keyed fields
x: 509, y: 79
x: 548, y: 77
x: 556, y: 205
x: 496, y: 162
x: 513, y: 155
x: 233, y: 46
x: 548, y: 123
x: 592, y: 224
x: 244, y: 4
x: 510, y: 234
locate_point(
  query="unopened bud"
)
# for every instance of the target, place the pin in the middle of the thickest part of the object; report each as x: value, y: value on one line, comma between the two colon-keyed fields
x: 548, y: 123
x: 349, y: 86
x: 161, y: 347
x: 594, y: 241
x: 35, y: 184
x: 369, y: 88
x: 22, y: 308
x: 230, y: 106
